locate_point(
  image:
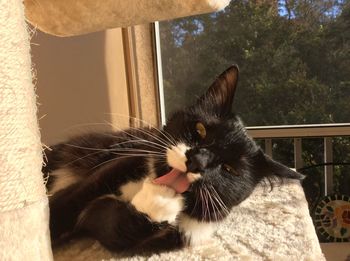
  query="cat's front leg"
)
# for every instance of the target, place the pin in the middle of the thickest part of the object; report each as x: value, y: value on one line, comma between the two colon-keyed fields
x: 196, y: 232
x: 159, y: 202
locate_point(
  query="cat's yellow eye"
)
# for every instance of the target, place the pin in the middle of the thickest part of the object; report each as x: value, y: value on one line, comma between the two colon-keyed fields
x: 201, y: 130
x: 230, y: 170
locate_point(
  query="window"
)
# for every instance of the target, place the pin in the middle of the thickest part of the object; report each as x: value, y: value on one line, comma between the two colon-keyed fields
x: 293, y: 55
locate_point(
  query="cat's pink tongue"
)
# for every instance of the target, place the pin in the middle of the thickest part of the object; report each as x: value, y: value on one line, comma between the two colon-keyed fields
x: 174, y: 179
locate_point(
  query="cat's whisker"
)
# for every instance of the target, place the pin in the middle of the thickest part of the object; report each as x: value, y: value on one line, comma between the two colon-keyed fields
x: 135, y: 141
x: 149, y: 133
x: 137, y: 149
x: 215, y: 208
x: 80, y: 158
x: 212, y: 203
x: 143, y: 131
x: 202, y: 202
x: 141, y: 141
x: 222, y: 204
x: 207, y: 203
x: 114, y: 150
x: 197, y: 197
x: 163, y: 144
x: 195, y: 204
x: 130, y: 141
x: 209, y: 209
x: 222, y: 207
x: 137, y: 154
x: 107, y: 161
x: 168, y: 136
x: 124, y: 142
x: 163, y: 133
x: 121, y: 157
x: 219, y: 200
x: 130, y: 118
x: 86, y: 125
x: 163, y: 161
x: 218, y: 208
x: 87, y: 148
x: 147, y: 152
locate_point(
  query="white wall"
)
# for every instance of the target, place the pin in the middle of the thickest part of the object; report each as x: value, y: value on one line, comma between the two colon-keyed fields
x: 81, y: 81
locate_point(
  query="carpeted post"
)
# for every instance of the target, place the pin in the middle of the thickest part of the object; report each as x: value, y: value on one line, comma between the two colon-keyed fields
x: 24, y: 233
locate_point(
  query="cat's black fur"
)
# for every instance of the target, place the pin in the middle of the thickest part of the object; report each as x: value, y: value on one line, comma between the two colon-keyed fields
x: 104, y: 162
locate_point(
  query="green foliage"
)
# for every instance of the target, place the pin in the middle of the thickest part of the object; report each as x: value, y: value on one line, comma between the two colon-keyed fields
x: 295, y: 68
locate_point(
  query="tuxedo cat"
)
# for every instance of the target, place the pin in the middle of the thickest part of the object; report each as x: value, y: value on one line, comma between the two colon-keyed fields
x: 145, y: 190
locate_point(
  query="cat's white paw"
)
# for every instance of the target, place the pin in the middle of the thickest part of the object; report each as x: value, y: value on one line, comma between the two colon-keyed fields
x: 196, y: 232
x: 159, y: 202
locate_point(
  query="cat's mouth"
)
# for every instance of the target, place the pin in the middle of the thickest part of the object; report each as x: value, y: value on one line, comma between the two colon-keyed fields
x: 175, y: 179
x: 177, y: 176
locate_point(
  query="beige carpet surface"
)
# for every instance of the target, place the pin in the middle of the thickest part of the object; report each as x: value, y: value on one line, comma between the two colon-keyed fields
x: 268, y: 226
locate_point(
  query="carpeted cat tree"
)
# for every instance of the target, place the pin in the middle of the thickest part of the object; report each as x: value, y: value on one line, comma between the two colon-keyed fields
x: 274, y: 226
x: 24, y: 233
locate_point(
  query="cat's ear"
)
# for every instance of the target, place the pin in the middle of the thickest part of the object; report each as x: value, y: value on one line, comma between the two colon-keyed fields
x: 279, y: 170
x: 219, y: 96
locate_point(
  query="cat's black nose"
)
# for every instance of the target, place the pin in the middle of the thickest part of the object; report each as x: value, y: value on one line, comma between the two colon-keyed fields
x: 198, y: 159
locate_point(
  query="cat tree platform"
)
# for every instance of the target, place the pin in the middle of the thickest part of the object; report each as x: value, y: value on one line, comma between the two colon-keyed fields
x: 272, y: 225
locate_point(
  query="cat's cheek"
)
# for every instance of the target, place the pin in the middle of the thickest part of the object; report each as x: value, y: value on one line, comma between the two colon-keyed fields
x: 176, y: 157
x: 160, y: 203
x: 196, y: 232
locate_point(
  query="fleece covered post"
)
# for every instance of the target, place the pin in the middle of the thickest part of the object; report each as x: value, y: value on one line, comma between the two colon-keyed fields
x: 66, y: 17
x: 24, y: 233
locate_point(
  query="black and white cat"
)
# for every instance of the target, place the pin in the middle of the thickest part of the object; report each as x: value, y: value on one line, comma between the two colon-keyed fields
x: 145, y: 190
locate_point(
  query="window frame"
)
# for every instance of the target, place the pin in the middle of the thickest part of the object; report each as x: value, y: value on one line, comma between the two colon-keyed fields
x: 268, y: 131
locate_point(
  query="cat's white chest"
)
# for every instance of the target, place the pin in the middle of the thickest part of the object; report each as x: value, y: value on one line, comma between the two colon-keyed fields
x: 163, y: 204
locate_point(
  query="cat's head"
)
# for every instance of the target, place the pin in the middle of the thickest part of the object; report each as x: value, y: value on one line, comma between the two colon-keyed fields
x: 212, y: 160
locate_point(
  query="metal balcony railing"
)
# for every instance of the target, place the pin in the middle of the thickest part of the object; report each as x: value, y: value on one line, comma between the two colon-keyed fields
x: 297, y: 133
